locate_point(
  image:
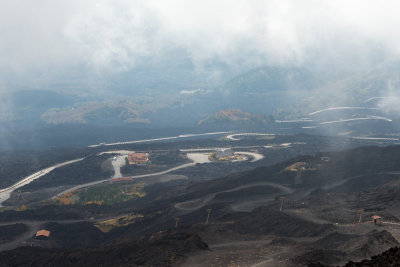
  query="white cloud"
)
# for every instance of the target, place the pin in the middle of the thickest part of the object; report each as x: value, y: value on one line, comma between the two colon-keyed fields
x: 121, y: 34
x: 389, y: 101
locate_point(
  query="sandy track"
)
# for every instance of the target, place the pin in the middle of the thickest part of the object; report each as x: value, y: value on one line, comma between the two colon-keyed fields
x: 255, y: 156
x: 232, y: 136
x: 198, y: 157
x: 117, y: 164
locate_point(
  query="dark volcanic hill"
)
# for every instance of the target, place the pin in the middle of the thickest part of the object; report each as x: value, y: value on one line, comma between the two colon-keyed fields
x: 389, y: 258
x: 160, y: 249
x: 314, y: 208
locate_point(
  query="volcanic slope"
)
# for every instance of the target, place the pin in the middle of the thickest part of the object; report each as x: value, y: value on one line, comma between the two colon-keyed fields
x: 389, y: 258
x: 303, y: 210
x: 323, y: 195
x: 161, y: 249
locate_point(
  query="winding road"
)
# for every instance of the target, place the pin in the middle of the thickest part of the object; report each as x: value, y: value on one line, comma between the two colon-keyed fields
x: 134, y: 177
x: 6, y: 192
x: 159, y: 139
x: 120, y: 161
x: 341, y: 108
x: 232, y: 136
x: 198, y: 203
x: 358, y: 119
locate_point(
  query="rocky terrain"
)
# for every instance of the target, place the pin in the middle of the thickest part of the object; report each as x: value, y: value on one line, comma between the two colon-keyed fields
x: 159, y: 249
x: 281, y: 210
x: 389, y: 258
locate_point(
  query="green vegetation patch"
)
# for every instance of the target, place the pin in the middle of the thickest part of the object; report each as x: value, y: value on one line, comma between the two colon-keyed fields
x: 104, y: 194
x: 110, y: 194
x: 108, y: 225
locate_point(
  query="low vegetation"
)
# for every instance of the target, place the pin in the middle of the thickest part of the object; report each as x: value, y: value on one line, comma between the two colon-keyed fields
x: 104, y: 194
x: 299, y: 166
x: 108, y: 225
x: 236, y: 116
x: 296, y: 167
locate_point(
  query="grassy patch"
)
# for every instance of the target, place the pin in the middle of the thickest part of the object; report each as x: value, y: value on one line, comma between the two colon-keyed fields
x: 295, y: 167
x: 299, y: 166
x: 104, y: 194
x: 108, y: 225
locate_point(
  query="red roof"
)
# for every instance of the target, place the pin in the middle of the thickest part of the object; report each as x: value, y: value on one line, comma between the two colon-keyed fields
x: 45, y: 233
x: 375, y: 217
x: 138, y: 158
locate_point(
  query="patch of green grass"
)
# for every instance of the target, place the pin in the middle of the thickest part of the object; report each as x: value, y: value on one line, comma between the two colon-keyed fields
x: 110, y: 194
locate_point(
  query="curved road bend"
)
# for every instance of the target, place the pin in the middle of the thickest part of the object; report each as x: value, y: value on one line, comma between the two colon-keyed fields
x: 198, y: 203
x: 136, y: 176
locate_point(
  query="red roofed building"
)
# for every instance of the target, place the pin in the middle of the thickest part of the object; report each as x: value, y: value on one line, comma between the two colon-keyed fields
x: 42, y: 234
x: 138, y: 158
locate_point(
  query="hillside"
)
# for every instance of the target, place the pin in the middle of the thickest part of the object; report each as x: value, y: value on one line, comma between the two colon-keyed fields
x: 94, y: 113
x: 236, y: 117
x: 286, y: 92
x: 161, y: 249
x: 389, y: 258
x: 300, y: 210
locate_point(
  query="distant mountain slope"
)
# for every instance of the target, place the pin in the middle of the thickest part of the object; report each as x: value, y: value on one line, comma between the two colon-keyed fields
x: 236, y: 116
x: 289, y: 93
x: 94, y: 113
x: 26, y: 106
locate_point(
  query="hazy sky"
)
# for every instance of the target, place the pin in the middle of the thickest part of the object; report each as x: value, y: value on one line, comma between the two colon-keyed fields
x: 56, y: 35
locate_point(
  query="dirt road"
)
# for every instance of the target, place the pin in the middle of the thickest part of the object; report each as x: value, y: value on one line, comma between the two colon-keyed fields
x: 137, y: 176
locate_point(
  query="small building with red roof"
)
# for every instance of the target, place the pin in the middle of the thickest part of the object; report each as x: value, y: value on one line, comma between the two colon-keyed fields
x: 42, y: 234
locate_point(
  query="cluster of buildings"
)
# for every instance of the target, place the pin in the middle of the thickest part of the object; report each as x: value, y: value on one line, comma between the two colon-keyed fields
x: 138, y: 158
x: 222, y: 154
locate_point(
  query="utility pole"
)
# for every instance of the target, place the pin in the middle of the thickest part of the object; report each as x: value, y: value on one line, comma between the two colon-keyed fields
x: 361, y: 215
x: 176, y: 222
x: 208, y: 215
x: 282, y: 200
